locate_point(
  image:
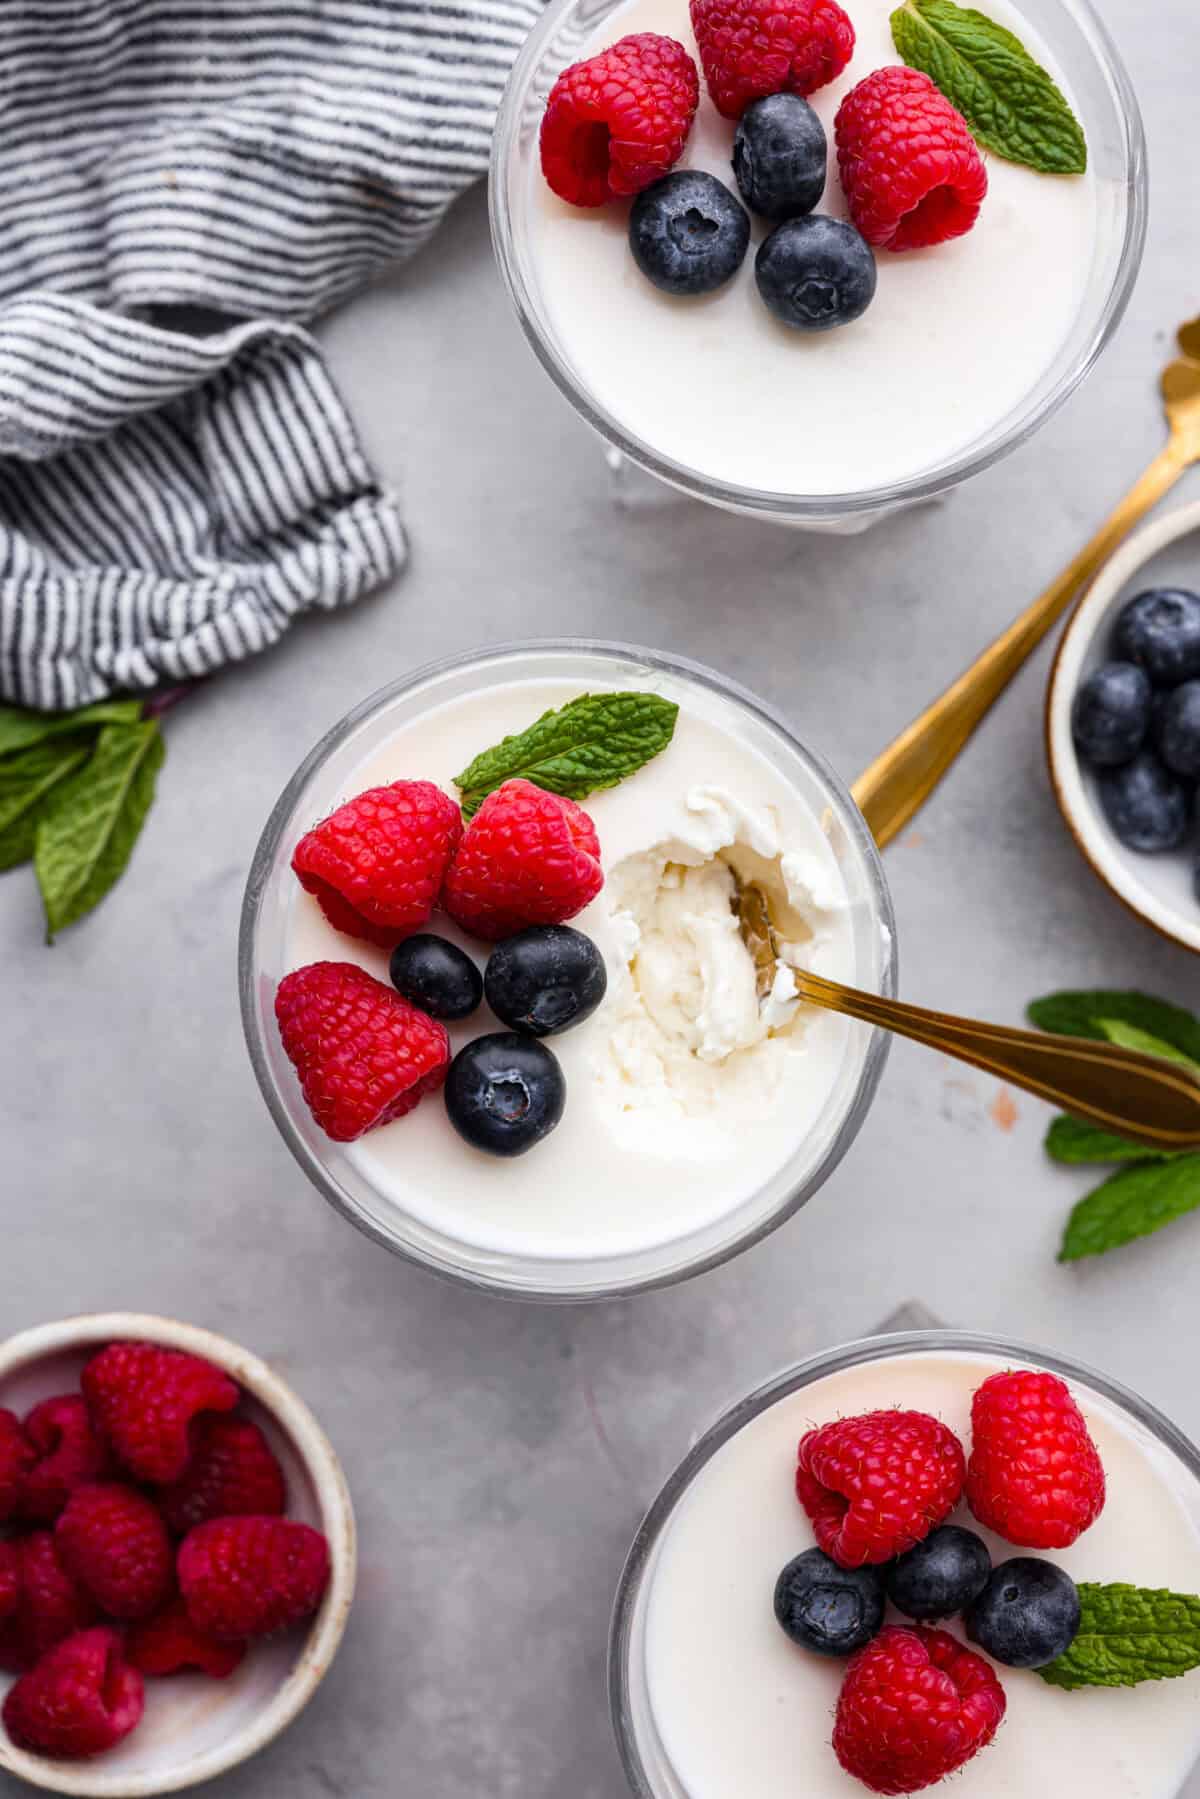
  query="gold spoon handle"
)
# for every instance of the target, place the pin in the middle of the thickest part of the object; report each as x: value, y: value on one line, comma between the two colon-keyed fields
x: 900, y: 780
x: 1153, y: 1103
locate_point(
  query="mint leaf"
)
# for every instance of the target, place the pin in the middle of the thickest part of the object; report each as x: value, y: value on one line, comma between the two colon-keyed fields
x: 26, y: 781
x: 19, y: 729
x: 1133, y: 1203
x: 1011, y: 104
x: 86, y: 837
x: 1071, y: 1141
x: 1086, y: 1013
x: 1127, y: 1635
x: 589, y: 744
x: 1128, y: 1036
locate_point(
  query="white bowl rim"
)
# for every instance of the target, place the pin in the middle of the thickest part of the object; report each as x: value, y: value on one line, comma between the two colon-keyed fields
x: 86, y: 1779
x: 1113, y: 866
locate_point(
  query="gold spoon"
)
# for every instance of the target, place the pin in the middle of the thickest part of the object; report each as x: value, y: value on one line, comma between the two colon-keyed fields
x: 900, y: 780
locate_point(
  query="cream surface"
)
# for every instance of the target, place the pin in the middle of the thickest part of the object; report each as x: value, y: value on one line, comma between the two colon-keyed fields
x: 956, y: 337
x: 740, y: 1710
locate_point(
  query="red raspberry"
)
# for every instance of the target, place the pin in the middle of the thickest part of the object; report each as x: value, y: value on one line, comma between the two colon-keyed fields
x: 52, y: 1605
x: 114, y: 1542
x: 17, y: 1457
x: 376, y: 864
x: 528, y: 857
x: 68, y: 1453
x: 914, y: 1706
x: 364, y: 1056
x: 169, y: 1643
x: 252, y: 1577
x: 751, y: 48
x: 233, y: 1471
x: 617, y: 122
x: 1034, y: 1477
x: 876, y: 1485
x: 912, y: 172
x: 81, y: 1699
x: 10, y: 1579
x: 143, y: 1399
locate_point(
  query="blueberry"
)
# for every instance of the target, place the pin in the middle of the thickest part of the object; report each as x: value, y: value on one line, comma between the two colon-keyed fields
x: 1027, y: 1614
x: 1146, y: 805
x: 1111, y: 714
x: 941, y: 1576
x: 545, y: 979
x: 436, y: 975
x: 815, y: 273
x: 1160, y: 630
x: 779, y: 156
x: 504, y: 1093
x: 1178, y: 730
x: 688, y: 233
x: 831, y: 1610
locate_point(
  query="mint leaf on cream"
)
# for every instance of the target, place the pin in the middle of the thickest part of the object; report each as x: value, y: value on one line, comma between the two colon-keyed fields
x: 589, y: 744
x: 1128, y: 1635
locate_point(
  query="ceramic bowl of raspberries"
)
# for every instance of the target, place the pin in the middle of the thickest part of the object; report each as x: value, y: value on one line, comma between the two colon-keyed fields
x: 1123, y: 725
x: 177, y: 1556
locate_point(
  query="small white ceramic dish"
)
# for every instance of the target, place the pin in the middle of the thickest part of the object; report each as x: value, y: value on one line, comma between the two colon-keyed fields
x: 195, y: 1728
x: 1164, y: 553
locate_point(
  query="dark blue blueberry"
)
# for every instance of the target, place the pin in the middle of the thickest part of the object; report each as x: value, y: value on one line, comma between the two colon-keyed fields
x: 1111, y: 714
x: 1027, y: 1614
x: 815, y: 273
x: 780, y: 154
x: 1177, y: 730
x: 504, y: 1093
x: 1160, y: 630
x: 688, y: 233
x: 831, y: 1610
x: 545, y: 979
x: 1146, y: 805
x: 941, y: 1576
x: 437, y: 976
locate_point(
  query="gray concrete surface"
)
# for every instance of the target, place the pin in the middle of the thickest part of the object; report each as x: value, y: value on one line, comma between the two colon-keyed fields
x: 501, y: 1456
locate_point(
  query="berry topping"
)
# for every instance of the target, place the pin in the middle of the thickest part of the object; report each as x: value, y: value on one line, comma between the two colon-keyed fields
x: 688, y: 233
x: 1027, y: 1615
x: 364, y: 1056
x: 876, y: 1485
x: 376, y: 865
x: 912, y: 172
x: 751, y: 48
x: 816, y: 273
x: 81, y: 1699
x: 169, y: 1643
x: 780, y: 157
x: 52, y: 1604
x: 115, y: 1544
x: 437, y: 976
x: 10, y: 1579
x: 914, y: 1706
x: 617, y: 122
x: 17, y: 1456
x: 1160, y: 631
x: 941, y: 1576
x: 545, y: 979
x: 504, y: 1093
x: 1178, y: 731
x: 1146, y: 805
x: 233, y: 1472
x: 69, y: 1453
x: 831, y: 1610
x: 527, y: 857
x: 1110, y: 715
x: 252, y: 1577
x: 143, y: 1399
x: 1034, y: 1476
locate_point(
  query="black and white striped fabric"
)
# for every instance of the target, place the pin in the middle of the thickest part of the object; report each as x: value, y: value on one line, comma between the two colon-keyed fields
x: 170, y: 501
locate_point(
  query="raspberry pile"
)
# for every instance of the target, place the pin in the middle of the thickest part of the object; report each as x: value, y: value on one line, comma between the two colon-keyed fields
x: 145, y: 1536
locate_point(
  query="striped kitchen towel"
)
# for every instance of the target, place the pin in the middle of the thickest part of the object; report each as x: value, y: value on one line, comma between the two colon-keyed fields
x: 171, y: 499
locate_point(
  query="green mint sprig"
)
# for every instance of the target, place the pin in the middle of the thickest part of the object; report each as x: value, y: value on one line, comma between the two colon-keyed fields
x: 1128, y: 1635
x: 1012, y: 105
x: 589, y: 744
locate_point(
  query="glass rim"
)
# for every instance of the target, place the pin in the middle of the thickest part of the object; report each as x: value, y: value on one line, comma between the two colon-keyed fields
x: 780, y: 1386
x: 923, y: 486
x: 850, y: 817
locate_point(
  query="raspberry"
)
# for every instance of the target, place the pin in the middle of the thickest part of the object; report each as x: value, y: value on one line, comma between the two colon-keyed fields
x: 1034, y: 1476
x: 364, y: 1056
x: 914, y: 1706
x: 376, y: 865
x: 233, y: 1471
x: 68, y: 1453
x: 81, y: 1699
x: 617, y: 122
x: 528, y: 857
x: 51, y: 1605
x: 114, y: 1542
x: 912, y: 172
x: 143, y: 1400
x: 10, y: 1579
x: 17, y: 1456
x: 252, y: 1577
x: 751, y: 48
x: 876, y: 1485
x: 169, y: 1643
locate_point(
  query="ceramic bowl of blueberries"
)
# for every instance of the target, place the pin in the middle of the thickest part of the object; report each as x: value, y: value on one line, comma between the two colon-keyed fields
x: 1123, y: 725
